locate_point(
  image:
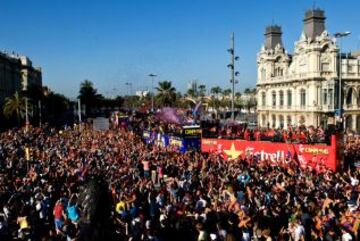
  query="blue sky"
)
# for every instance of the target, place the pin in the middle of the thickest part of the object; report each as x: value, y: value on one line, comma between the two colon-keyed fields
x: 112, y: 42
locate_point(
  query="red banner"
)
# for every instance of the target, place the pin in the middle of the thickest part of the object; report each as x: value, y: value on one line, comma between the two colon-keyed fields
x: 314, y: 156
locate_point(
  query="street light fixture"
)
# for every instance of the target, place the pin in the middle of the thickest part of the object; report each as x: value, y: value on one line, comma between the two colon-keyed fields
x: 130, y: 87
x: 231, y: 66
x: 152, y: 76
x: 339, y: 36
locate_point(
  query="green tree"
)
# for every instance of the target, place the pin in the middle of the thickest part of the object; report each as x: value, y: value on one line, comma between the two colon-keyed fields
x: 227, y: 92
x: 202, y: 90
x: 14, y: 105
x: 247, y: 91
x: 35, y: 93
x: 251, y: 103
x: 55, y: 107
x: 239, y: 104
x: 216, y: 91
x: 88, y: 96
x: 191, y: 93
x: 166, y: 93
x: 132, y: 101
x: 225, y: 102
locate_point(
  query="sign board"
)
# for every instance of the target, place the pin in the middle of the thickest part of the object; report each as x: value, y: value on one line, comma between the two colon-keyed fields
x: 101, y: 124
x: 191, y: 131
x: 317, y: 157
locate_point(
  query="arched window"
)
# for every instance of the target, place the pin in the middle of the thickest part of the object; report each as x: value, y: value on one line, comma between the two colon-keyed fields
x: 278, y: 71
x: 349, y: 96
x: 273, y: 99
x: 288, y: 120
x: 273, y: 117
x: 281, y: 121
x: 263, y: 99
x: 289, y: 98
x: 263, y: 120
x: 281, y: 96
x: 302, y: 98
x: 348, y: 121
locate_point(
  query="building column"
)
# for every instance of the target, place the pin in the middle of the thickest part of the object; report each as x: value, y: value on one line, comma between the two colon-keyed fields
x: 353, y: 123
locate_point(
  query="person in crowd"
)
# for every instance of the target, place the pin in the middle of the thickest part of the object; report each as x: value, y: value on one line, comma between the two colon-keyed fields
x: 192, y: 196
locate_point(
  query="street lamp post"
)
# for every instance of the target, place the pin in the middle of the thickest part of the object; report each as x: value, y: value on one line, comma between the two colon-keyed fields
x: 232, y: 74
x: 152, y: 76
x: 339, y: 36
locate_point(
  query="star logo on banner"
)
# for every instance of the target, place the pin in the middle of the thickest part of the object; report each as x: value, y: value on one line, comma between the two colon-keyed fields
x: 232, y: 153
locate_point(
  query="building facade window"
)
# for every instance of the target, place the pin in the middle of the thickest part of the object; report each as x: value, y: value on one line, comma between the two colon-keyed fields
x: 325, y: 67
x: 325, y: 96
x: 302, y: 98
x: 281, y: 121
x: 279, y: 71
x: 330, y: 96
x: 273, y: 117
x: 273, y: 98
x: 288, y: 120
x: 289, y: 98
x: 263, y: 99
x: 350, y: 68
x: 349, y: 97
x: 263, y: 120
x: 281, y: 96
x: 263, y: 74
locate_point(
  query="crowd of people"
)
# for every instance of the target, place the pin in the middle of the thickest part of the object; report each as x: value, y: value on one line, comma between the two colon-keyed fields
x: 80, y: 184
x: 291, y: 134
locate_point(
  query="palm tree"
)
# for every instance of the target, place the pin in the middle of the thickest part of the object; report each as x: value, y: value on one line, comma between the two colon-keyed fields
x: 238, y: 101
x: 227, y: 92
x: 216, y: 91
x: 88, y: 95
x: 251, y: 103
x: 202, y: 90
x: 191, y: 93
x: 166, y: 93
x: 247, y: 91
x: 225, y: 102
x: 14, y: 105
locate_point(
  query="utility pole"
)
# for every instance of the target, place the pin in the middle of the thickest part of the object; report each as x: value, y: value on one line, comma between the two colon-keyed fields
x: 340, y: 106
x: 232, y: 73
x: 152, y: 76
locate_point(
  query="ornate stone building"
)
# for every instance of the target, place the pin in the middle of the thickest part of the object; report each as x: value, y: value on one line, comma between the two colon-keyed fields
x: 302, y: 88
x: 16, y: 74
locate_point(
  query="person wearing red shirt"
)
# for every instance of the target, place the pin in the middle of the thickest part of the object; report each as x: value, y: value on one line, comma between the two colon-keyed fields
x: 59, y: 214
x: 247, y: 135
x: 285, y: 136
x: 257, y: 135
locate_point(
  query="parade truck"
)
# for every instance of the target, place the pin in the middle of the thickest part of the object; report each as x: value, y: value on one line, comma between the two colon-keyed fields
x: 317, y: 156
x: 188, y: 139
